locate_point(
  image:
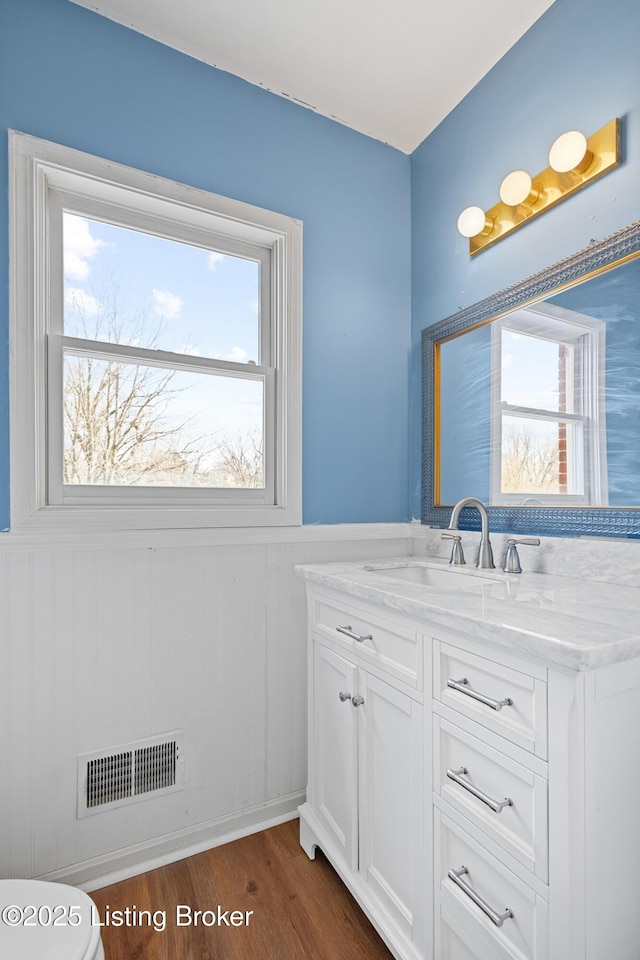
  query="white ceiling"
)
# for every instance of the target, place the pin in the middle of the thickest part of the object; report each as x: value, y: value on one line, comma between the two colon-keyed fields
x: 392, y: 69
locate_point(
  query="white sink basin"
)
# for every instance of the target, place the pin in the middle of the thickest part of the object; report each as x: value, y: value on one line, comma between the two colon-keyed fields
x: 440, y: 578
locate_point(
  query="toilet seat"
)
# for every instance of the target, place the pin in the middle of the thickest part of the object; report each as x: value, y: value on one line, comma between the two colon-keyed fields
x: 55, y: 932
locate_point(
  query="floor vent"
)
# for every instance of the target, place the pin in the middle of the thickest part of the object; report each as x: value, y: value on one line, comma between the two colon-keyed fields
x: 125, y: 774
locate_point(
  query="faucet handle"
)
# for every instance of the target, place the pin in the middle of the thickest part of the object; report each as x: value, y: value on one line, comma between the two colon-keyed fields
x: 457, y: 555
x: 512, y: 560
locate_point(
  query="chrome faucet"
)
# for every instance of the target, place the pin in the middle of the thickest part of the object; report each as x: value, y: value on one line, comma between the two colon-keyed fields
x: 512, y: 560
x: 457, y: 553
x: 485, y: 556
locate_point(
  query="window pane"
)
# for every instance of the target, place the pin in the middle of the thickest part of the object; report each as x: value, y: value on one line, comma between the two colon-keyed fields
x: 535, y: 372
x: 124, y: 286
x: 541, y: 456
x: 128, y: 424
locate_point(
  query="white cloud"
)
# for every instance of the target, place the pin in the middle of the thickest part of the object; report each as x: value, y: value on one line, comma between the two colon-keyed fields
x: 213, y: 259
x: 237, y: 354
x: 79, y: 247
x: 166, y: 304
x: 81, y: 301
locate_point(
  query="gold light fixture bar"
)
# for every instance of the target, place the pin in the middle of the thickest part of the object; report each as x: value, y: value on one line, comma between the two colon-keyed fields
x: 550, y: 187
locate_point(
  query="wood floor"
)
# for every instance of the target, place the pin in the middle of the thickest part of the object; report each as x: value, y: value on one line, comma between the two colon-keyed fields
x: 300, y: 909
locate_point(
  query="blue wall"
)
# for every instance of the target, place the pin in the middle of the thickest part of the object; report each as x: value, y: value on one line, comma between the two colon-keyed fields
x: 71, y: 76
x: 576, y: 68
x: 76, y: 78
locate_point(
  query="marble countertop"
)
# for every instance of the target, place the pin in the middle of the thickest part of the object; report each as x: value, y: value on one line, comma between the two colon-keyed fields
x: 579, y: 624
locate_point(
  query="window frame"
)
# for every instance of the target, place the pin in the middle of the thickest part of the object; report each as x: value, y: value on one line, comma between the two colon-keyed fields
x: 46, y: 178
x: 586, y: 335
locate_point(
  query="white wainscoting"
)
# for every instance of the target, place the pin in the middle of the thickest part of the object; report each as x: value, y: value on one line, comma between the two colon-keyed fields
x: 103, y: 644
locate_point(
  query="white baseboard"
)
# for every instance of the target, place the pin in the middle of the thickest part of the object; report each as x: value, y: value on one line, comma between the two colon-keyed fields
x: 122, y: 864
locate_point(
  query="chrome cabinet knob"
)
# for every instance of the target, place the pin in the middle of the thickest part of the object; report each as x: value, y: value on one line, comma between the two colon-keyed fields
x: 498, y: 918
x: 359, y: 637
x: 496, y: 805
x: 344, y: 695
x: 357, y: 701
x: 462, y: 686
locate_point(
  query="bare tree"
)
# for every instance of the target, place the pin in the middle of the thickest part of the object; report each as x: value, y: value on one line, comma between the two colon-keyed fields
x: 115, y: 414
x: 115, y: 425
x: 529, y: 462
x: 240, y: 461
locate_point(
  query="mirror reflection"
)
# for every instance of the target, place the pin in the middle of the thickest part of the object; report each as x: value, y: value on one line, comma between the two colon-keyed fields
x: 541, y: 407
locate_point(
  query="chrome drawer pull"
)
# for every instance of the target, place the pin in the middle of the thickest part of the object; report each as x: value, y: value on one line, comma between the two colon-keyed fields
x: 462, y: 687
x: 497, y: 918
x: 354, y: 636
x: 496, y: 805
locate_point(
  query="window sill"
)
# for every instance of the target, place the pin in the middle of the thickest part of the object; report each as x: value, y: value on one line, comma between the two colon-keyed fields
x: 136, y: 517
x: 30, y: 538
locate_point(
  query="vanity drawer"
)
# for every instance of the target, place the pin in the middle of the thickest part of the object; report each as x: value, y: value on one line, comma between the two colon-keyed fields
x: 394, y: 647
x: 477, y: 779
x: 454, y: 941
x: 511, y: 703
x: 498, y: 907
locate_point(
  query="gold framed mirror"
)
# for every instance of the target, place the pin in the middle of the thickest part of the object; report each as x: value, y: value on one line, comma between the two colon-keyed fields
x: 531, y: 399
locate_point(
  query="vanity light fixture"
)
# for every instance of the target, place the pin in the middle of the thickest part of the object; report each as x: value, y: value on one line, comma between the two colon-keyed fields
x: 473, y: 222
x: 570, y: 152
x: 574, y: 161
x: 517, y: 188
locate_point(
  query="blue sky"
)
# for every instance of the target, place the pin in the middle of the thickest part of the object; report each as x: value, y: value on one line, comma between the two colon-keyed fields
x: 529, y: 371
x: 170, y: 296
x: 207, y: 302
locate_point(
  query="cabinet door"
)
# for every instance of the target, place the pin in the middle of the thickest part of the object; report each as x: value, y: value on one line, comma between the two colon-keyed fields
x: 391, y: 800
x: 334, y: 792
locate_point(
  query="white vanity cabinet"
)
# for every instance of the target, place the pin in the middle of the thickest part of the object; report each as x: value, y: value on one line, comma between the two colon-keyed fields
x: 561, y: 857
x: 490, y: 798
x: 481, y: 802
x: 365, y: 800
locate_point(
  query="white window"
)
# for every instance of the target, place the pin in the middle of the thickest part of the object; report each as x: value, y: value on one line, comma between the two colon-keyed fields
x: 548, y: 434
x: 156, y: 349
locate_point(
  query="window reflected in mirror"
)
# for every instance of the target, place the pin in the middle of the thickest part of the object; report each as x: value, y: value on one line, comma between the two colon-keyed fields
x: 541, y: 407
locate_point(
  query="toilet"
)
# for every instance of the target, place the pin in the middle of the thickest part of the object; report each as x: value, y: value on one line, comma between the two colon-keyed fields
x: 47, y: 921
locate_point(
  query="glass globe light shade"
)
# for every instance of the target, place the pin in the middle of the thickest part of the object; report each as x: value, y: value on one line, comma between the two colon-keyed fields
x: 516, y: 188
x: 569, y: 152
x: 472, y: 221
